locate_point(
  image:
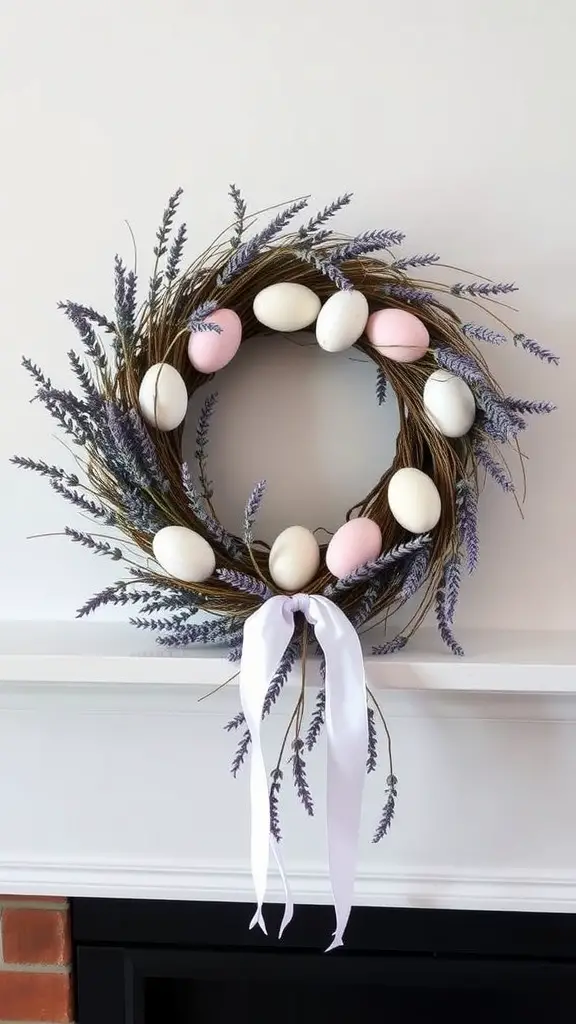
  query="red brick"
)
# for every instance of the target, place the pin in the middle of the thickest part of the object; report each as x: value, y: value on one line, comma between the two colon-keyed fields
x: 35, y: 936
x: 38, y: 997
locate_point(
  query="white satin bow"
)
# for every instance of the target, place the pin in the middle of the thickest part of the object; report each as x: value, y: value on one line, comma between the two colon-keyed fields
x: 267, y: 634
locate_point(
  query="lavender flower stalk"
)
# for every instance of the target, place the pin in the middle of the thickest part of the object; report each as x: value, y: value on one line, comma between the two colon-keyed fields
x: 198, y: 322
x: 535, y: 349
x: 246, y: 252
x: 300, y: 779
x: 407, y: 293
x: 239, y: 215
x: 99, y: 547
x: 446, y: 597
x: 415, y: 575
x: 467, y: 522
x: 368, y: 241
x: 246, y: 584
x: 381, y: 385
x: 216, y: 532
x: 372, y: 759
x: 492, y: 467
x: 175, y: 254
x: 326, y: 266
x: 316, y: 222
x: 478, y: 333
x: 371, y: 569
x: 389, y: 809
x: 316, y: 721
x: 277, y: 776
x: 524, y: 406
x: 482, y: 289
x: 391, y: 646
x: 202, y: 442
x: 251, y: 510
x: 424, y: 260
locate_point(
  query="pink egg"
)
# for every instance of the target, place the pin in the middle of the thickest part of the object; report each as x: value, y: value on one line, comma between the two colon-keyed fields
x: 357, y: 542
x: 398, y: 335
x: 209, y: 351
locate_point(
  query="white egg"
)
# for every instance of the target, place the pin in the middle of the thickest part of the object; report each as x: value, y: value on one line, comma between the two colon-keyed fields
x: 414, y: 500
x: 286, y: 306
x: 163, y: 397
x: 184, y: 554
x: 341, y: 320
x: 294, y: 558
x: 449, y: 403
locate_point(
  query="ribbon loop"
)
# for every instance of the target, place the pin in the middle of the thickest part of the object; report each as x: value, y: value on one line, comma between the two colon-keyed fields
x: 267, y: 633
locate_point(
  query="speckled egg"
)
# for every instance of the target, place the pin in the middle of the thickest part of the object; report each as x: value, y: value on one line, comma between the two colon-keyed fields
x: 414, y: 500
x: 286, y: 306
x: 294, y: 558
x: 357, y: 542
x: 398, y: 334
x: 209, y: 351
x: 163, y: 397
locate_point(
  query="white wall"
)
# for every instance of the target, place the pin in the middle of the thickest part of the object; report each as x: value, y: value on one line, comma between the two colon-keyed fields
x: 450, y: 120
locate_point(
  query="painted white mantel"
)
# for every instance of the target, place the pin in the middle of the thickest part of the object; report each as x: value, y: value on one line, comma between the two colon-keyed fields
x: 114, y: 778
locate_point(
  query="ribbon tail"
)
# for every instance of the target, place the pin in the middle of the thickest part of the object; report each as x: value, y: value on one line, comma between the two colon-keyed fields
x: 347, y: 743
x: 266, y: 635
x: 288, y: 901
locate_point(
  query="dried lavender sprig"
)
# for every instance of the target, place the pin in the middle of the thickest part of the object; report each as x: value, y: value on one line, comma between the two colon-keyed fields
x: 91, y: 315
x: 277, y: 776
x: 140, y: 510
x: 451, y: 586
x: 239, y: 215
x: 235, y: 722
x: 213, y: 528
x: 482, y: 289
x: 119, y: 447
x: 506, y: 422
x: 116, y: 594
x: 83, y: 504
x: 53, y: 472
x: 368, y: 241
x: 185, y: 636
x: 366, y: 606
x: 406, y: 293
x: 311, y: 228
x: 251, y: 510
x: 494, y: 468
x: 243, y: 255
x: 281, y: 674
x: 524, y: 406
x: 299, y: 775
x: 372, y: 759
x: 177, y: 623
x: 202, y: 442
x: 241, y: 752
x: 160, y: 249
x: 478, y: 333
x: 316, y: 721
x: 420, y: 260
x: 388, y: 810
x: 99, y: 547
x: 66, y: 410
x: 146, y: 451
x: 124, y: 300
x: 175, y: 254
x: 444, y: 606
x: 464, y: 366
x: 415, y: 575
x: 197, y: 320
x: 326, y: 266
x: 77, y: 316
x: 381, y: 385
x: 83, y: 376
x: 391, y: 646
x: 467, y: 522
x: 246, y: 584
x: 40, y: 380
x: 535, y: 349
x: 371, y: 569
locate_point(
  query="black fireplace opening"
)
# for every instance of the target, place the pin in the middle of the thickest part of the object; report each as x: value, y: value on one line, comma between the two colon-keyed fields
x: 162, y: 962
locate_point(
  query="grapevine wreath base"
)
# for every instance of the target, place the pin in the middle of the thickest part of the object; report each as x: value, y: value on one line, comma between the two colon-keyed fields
x: 406, y: 539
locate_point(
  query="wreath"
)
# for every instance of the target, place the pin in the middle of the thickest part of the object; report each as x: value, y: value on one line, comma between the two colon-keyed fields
x: 406, y: 539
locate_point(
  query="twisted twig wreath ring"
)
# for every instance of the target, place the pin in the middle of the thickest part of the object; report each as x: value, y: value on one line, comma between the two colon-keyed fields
x: 407, y: 537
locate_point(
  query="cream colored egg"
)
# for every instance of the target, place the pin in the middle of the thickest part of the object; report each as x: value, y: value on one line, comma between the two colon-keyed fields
x: 414, y: 500
x: 184, y: 554
x: 294, y: 558
x: 163, y: 397
x: 286, y: 306
x: 449, y: 403
x: 342, y: 320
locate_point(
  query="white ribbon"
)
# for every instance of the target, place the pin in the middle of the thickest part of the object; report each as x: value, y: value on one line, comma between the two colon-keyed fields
x: 267, y: 634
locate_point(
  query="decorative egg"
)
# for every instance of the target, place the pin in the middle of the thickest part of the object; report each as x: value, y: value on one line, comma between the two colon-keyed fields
x: 163, y: 397
x: 414, y: 500
x: 294, y: 558
x: 184, y: 554
x: 449, y: 403
x: 398, y: 334
x: 209, y: 351
x: 357, y: 542
x: 286, y: 306
x: 342, y: 320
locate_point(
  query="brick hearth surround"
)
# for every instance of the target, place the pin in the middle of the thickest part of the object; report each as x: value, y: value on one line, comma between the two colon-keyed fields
x: 35, y: 960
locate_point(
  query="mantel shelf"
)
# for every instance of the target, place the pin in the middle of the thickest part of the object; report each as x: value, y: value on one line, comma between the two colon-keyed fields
x: 77, y: 653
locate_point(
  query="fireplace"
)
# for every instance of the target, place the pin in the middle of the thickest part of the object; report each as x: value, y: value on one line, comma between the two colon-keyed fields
x: 154, y: 962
